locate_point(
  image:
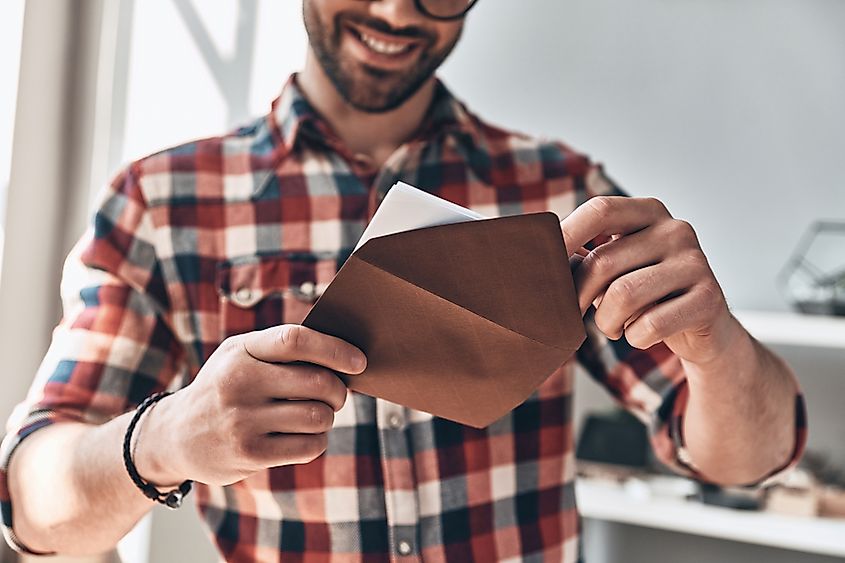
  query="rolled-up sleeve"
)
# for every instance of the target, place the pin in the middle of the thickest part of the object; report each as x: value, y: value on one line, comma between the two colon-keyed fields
x: 114, y: 345
x: 651, y: 383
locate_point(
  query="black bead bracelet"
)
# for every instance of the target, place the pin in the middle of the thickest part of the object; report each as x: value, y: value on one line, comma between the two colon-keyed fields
x: 171, y: 499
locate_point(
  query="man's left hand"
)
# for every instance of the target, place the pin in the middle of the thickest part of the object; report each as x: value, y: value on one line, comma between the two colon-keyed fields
x: 650, y: 281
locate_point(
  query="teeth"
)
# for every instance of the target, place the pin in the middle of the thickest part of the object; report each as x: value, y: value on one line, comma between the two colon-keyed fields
x: 383, y: 47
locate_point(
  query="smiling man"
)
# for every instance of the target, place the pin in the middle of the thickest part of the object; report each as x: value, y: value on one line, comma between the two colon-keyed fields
x: 203, y: 259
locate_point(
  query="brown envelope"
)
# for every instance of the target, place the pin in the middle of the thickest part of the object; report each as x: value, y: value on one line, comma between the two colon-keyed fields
x: 463, y: 321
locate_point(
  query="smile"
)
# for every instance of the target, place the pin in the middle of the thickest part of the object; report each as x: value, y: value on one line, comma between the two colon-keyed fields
x: 381, y: 43
x: 383, y: 47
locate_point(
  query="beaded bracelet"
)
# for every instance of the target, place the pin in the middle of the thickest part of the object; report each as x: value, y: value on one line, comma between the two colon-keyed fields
x: 171, y: 499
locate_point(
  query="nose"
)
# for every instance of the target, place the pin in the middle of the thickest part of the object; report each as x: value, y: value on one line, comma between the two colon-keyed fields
x: 398, y: 13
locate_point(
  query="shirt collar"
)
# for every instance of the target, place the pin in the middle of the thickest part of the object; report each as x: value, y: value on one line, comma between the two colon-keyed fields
x: 292, y: 115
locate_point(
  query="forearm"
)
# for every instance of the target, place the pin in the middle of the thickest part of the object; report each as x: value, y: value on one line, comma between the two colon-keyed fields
x: 70, y: 491
x: 739, y: 424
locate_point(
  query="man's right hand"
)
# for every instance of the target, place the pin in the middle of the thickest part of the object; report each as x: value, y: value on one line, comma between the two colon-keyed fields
x: 263, y: 399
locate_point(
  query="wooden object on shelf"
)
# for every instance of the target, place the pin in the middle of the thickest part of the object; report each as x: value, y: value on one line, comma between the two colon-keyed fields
x: 792, y: 502
x: 607, y: 501
x: 832, y: 502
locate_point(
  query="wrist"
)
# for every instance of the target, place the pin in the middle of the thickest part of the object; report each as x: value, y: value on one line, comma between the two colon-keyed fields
x: 734, y: 353
x: 153, y: 451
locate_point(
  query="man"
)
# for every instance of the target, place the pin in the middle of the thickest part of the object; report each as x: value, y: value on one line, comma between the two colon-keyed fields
x: 203, y: 258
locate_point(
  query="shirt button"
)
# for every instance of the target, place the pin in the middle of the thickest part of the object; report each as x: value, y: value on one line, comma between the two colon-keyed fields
x: 243, y: 296
x: 308, y: 289
x: 395, y: 421
x: 405, y: 548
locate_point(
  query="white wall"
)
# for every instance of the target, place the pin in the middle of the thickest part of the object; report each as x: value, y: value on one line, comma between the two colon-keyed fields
x: 729, y: 110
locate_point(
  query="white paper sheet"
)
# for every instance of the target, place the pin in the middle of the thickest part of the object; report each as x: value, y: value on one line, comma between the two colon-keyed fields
x: 405, y: 208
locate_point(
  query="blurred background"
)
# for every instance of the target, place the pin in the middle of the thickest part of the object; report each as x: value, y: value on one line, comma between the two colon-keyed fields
x: 730, y: 111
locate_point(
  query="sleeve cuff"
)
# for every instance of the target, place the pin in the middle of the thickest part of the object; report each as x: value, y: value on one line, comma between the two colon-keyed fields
x: 684, y: 460
x: 34, y: 422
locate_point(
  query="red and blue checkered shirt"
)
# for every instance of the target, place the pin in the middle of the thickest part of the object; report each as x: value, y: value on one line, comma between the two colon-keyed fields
x: 241, y: 232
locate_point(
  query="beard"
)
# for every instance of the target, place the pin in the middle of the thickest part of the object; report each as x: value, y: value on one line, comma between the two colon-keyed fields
x: 364, y: 87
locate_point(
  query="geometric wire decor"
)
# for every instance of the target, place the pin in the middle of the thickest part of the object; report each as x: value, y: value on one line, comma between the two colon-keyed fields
x: 813, y: 279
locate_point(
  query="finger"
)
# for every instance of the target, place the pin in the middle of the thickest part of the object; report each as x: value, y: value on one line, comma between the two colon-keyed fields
x: 612, y: 260
x: 636, y: 291
x: 273, y: 450
x: 610, y: 215
x: 294, y: 417
x: 308, y: 382
x: 270, y: 382
x: 296, y: 343
x: 685, y: 312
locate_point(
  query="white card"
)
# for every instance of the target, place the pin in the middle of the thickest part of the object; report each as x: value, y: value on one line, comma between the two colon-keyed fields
x: 405, y: 208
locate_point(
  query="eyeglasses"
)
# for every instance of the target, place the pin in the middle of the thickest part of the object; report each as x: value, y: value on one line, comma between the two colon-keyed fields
x: 445, y: 10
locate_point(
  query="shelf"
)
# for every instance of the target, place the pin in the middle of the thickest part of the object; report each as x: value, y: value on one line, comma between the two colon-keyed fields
x: 794, y: 329
x: 605, y: 500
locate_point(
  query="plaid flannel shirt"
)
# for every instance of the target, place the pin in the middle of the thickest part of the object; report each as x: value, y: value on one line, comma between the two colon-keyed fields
x: 241, y: 232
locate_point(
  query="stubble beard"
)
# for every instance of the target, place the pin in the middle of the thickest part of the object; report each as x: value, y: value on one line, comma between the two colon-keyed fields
x: 366, y: 88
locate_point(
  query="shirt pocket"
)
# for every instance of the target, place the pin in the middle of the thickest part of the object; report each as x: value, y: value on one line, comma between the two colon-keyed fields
x: 268, y: 291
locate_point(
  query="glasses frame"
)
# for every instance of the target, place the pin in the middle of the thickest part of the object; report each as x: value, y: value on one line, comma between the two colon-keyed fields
x: 421, y: 7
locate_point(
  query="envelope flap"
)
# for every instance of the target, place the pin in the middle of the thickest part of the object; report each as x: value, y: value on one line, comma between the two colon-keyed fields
x: 427, y: 353
x: 513, y: 271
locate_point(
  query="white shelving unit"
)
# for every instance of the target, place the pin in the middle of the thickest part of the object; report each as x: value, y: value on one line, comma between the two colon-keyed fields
x: 608, y: 501
x: 794, y: 329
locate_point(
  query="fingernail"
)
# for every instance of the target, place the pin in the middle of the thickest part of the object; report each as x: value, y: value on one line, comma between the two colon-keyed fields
x: 358, y: 362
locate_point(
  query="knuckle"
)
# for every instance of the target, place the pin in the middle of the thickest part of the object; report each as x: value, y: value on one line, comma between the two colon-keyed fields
x: 320, y: 417
x: 699, y: 268
x: 602, y: 206
x: 291, y: 337
x: 694, y: 258
x: 644, y: 332
x: 683, y: 232
x: 318, y: 382
x: 598, y: 261
x: 232, y: 345
x: 711, y: 297
x: 653, y: 325
x: 226, y: 355
x: 658, y: 206
x: 622, y: 292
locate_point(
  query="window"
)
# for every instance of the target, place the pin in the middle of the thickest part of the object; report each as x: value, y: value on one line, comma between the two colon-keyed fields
x: 11, y: 28
x: 196, y: 69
